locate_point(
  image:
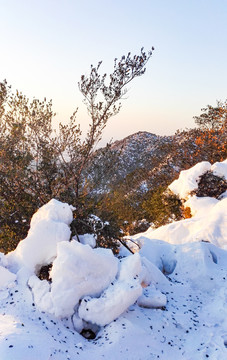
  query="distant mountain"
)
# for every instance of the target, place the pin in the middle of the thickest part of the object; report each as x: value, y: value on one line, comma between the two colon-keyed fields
x: 135, y: 157
x: 140, y: 151
x: 143, y: 161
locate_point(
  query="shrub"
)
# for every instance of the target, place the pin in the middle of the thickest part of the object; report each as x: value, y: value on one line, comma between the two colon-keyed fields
x: 210, y: 185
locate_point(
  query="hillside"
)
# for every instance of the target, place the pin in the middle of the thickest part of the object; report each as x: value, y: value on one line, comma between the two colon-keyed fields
x: 141, y: 150
x: 147, y: 160
x: 136, y: 154
x: 165, y: 301
x: 126, y: 179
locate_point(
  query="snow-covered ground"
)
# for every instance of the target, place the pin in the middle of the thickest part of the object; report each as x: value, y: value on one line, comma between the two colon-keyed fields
x: 167, y: 301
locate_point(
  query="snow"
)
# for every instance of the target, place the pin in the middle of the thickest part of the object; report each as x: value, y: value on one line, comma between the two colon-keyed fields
x: 88, y: 239
x: 208, y: 225
x: 6, y: 277
x: 166, y: 301
x: 220, y: 169
x: 54, y: 210
x: 77, y: 271
x: 152, y: 298
x: 118, y: 296
x: 188, y: 179
x: 209, y: 220
x: 200, y: 205
x: 49, y: 226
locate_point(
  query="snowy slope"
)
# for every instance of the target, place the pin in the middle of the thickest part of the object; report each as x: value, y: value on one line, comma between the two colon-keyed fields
x: 209, y: 222
x: 167, y: 301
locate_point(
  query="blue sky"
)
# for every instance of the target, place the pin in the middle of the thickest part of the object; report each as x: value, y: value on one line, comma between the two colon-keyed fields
x: 47, y: 44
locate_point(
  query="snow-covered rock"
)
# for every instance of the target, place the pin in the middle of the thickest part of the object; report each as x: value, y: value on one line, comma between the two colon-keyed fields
x: 79, y: 270
x: 200, y: 205
x: 117, y: 297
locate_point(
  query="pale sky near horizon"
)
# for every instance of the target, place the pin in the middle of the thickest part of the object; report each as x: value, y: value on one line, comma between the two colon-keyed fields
x: 47, y: 44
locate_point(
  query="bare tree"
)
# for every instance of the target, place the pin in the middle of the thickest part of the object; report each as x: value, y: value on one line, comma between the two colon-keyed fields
x: 102, y: 101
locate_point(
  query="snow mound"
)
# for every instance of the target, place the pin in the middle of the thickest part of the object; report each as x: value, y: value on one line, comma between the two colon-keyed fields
x: 49, y: 226
x: 54, y: 210
x: 117, y: 297
x: 188, y: 179
x: 209, y: 226
x: 220, y: 169
x: 77, y: 271
x: 200, y: 205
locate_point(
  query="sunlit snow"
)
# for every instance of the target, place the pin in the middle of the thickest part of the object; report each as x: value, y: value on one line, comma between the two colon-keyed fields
x: 168, y: 301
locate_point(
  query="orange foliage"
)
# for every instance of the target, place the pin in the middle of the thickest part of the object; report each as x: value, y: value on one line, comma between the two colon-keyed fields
x: 212, y: 143
x: 186, y: 212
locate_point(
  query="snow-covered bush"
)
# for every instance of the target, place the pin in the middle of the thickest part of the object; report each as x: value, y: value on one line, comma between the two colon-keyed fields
x: 203, y: 178
x: 69, y: 278
x: 101, y: 233
x: 209, y: 220
x: 210, y: 185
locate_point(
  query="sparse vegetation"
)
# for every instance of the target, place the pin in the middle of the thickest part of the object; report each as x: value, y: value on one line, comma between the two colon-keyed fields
x: 211, y: 185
